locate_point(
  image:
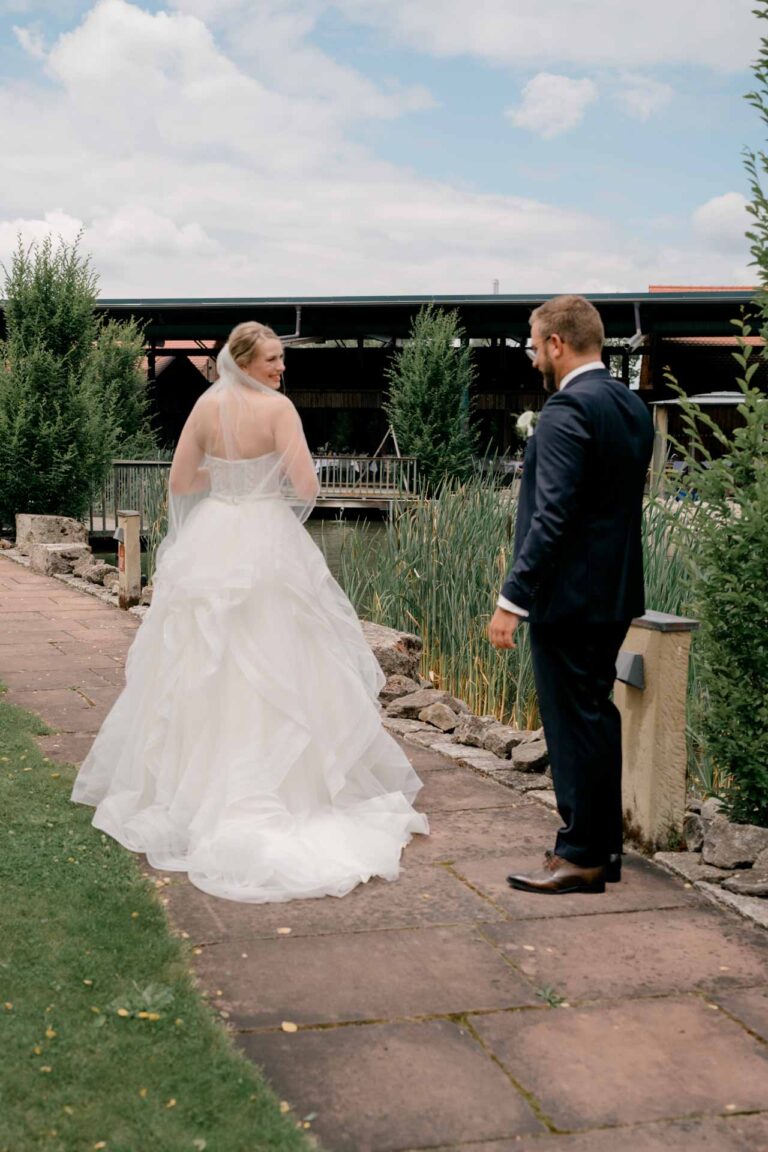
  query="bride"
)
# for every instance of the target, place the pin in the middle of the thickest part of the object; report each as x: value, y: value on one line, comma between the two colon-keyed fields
x: 246, y: 747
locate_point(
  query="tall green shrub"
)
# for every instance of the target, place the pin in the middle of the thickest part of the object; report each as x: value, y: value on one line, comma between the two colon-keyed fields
x: 118, y: 383
x: 730, y: 579
x: 72, y: 395
x: 428, y: 404
x: 54, y: 443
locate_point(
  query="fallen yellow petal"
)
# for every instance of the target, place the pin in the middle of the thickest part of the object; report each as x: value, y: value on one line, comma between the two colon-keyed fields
x: 46, y: 1068
x: 284, y: 1107
x: 284, y: 931
x: 8, y: 1006
x: 50, y: 1033
x: 171, y: 1103
x: 143, y: 1015
x: 101, y: 1144
x: 88, y: 983
x: 68, y: 1109
x: 143, y: 1093
x: 123, y: 1012
x: 153, y: 1015
x: 37, y: 1050
x: 134, y: 915
x: 289, y: 1026
x: 55, y: 775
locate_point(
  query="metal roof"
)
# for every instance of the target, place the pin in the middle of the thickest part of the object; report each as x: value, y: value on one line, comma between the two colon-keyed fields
x: 675, y: 313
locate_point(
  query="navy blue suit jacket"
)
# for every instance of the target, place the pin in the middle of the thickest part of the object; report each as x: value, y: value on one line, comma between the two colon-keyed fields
x: 578, y: 552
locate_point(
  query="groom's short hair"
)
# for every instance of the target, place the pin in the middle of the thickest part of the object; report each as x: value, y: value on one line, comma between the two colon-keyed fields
x: 573, y: 319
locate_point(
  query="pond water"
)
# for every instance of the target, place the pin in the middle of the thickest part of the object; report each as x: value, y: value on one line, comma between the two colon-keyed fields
x: 331, y: 535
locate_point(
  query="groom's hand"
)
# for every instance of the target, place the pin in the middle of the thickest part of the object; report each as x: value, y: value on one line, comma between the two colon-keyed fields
x: 501, y: 630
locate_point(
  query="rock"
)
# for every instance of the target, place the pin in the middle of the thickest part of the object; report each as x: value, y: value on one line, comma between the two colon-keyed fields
x: 729, y: 845
x: 535, y: 734
x: 99, y: 573
x: 693, y: 832
x: 33, y: 529
x: 397, y: 686
x: 481, y: 761
x: 520, y: 781
x: 402, y: 727
x: 425, y: 737
x: 51, y: 559
x: 447, y: 748
x: 410, y: 706
x: 398, y: 653
x: 749, y: 882
x: 690, y: 866
x: 755, y: 909
x: 83, y: 564
x: 530, y: 757
x: 544, y: 796
x: 114, y: 588
x: 761, y: 860
x: 501, y: 739
x: 439, y: 716
x: 694, y: 806
x: 712, y: 809
x: 146, y: 596
x: 5, y: 544
x: 471, y: 730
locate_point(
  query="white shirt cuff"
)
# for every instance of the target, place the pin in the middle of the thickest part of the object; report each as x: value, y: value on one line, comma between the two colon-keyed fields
x: 508, y: 606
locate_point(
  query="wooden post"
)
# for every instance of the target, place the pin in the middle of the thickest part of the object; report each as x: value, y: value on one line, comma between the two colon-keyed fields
x: 660, y: 441
x: 128, y: 559
x: 652, y: 703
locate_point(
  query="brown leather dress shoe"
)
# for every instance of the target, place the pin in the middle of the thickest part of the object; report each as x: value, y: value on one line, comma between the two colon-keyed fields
x: 558, y: 877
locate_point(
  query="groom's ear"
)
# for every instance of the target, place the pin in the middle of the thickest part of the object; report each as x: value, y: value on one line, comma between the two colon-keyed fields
x: 556, y: 345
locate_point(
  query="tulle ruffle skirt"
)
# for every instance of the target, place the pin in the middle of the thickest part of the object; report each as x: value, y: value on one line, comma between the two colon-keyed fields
x: 246, y: 747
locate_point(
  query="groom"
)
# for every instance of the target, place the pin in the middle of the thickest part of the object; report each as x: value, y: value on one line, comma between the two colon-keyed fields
x: 577, y: 577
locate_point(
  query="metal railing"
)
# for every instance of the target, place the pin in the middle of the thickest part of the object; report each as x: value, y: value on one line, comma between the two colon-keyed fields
x: 141, y: 485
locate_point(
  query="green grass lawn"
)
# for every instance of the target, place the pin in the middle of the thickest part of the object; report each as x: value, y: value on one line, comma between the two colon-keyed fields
x: 104, y: 1042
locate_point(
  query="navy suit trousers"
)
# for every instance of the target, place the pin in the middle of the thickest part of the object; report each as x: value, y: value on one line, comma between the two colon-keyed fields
x: 574, y: 667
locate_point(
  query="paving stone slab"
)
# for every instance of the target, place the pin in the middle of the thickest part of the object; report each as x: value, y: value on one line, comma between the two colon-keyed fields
x: 48, y: 678
x: 631, y: 1062
x: 66, y: 747
x: 420, y: 897
x: 642, y: 886
x: 459, y: 788
x: 467, y: 835
x: 750, y: 1007
x: 649, y: 953
x: 361, y: 976
x: 735, y: 1134
x: 434, y: 1086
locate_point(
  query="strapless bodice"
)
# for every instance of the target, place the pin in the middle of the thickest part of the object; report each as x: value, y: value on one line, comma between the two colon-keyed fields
x: 254, y: 478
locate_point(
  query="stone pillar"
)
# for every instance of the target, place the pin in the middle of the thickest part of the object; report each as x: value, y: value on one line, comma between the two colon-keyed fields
x: 128, y: 558
x: 653, y: 717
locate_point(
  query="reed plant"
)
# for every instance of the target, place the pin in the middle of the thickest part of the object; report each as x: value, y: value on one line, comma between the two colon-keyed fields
x: 436, y: 570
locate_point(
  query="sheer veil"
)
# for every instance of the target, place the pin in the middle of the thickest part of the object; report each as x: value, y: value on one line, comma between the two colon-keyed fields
x: 250, y: 445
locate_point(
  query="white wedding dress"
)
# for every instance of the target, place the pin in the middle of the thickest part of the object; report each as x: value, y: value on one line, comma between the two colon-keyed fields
x: 247, y: 748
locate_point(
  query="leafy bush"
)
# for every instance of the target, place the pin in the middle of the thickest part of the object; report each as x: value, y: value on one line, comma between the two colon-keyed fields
x: 729, y: 568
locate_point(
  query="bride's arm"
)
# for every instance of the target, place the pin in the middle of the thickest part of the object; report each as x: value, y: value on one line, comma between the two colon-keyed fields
x: 296, y: 459
x: 186, y: 474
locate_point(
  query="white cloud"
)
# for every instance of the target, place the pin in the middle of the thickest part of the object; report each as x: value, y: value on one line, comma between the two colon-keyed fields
x: 643, y: 96
x: 553, y: 104
x: 722, y: 222
x: 719, y: 34
x: 31, y: 40
x: 200, y: 169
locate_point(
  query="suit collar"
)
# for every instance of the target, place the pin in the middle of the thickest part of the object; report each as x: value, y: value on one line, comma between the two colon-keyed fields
x: 593, y: 366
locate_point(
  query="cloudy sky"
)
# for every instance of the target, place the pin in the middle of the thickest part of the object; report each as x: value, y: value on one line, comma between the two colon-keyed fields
x: 322, y: 147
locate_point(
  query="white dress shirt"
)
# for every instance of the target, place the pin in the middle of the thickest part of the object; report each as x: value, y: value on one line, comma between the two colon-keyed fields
x: 502, y: 601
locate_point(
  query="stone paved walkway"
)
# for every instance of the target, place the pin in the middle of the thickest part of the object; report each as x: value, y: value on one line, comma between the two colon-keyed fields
x: 446, y: 1011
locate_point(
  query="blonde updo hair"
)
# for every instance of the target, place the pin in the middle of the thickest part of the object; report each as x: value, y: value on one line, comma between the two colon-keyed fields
x: 244, y: 339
